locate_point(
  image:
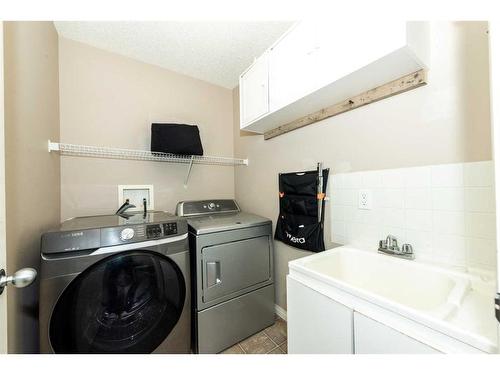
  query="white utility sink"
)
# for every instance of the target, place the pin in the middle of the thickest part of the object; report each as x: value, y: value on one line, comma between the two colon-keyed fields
x: 457, y: 304
x: 401, y: 281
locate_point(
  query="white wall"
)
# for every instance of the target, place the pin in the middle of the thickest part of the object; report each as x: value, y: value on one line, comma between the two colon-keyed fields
x: 446, y: 121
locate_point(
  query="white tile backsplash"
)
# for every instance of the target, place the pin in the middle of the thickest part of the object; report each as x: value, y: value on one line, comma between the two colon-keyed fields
x: 420, y: 220
x: 344, y: 197
x: 371, y: 179
x: 448, y: 199
x: 338, y: 228
x: 419, y: 177
x: 479, y: 199
x: 480, y: 252
x: 447, y: 212
x: 352, y: 180
x: 339, y: 213
x: 393, y: 178
x: 417, y: 198
x: 394, y: 217
x: 478, y: 224
x: 389, y: 198
x: 478, y: 174
x: 447, y: 175
x: 449, y: 222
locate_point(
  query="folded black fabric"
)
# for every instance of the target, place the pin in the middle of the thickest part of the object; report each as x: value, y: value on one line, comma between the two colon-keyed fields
x: 176, y: 139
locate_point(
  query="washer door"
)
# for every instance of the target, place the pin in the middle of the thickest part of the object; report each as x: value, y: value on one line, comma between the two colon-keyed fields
x: 126, y: 303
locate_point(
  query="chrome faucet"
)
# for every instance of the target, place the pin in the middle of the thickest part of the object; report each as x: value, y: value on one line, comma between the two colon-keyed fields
x: 390, y: 246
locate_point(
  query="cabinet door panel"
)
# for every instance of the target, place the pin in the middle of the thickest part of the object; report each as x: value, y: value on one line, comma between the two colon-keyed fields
x: 372, y: 337
x: 344, y: 47
x: 254, y: 91
x: 316, y: 323
x: 291, y: 66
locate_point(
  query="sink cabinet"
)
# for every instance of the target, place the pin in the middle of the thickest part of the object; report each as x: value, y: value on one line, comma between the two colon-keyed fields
x: 345, y: 300
x: 319, y: 325
x: 372, y: 337
x: 316, y: 323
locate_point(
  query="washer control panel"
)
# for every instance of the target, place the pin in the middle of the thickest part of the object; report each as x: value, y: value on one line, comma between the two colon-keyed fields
x: 153, y: 231
x: 94, y: 232
x: 169, y: 228
x: 141, y: 232
x: 127, y: 234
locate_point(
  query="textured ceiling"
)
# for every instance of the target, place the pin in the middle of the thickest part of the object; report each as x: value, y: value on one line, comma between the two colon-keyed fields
x: 215, y: 52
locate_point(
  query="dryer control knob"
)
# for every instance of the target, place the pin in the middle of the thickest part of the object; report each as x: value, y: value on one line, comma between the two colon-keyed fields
x: 127, y: 234
x: 211, y: 206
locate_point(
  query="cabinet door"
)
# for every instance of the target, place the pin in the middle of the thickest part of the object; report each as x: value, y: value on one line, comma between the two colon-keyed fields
x: 316, y: 323
x: 291, y: 66
x: 254, y: 91
x: 343, y: 47
x: 372, y: 337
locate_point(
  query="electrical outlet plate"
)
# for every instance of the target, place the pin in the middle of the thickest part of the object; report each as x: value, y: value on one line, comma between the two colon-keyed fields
x: 365, y: 199
x: 135, y: 195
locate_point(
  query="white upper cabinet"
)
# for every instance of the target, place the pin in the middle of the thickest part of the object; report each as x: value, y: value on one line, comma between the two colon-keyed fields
x: 291, y: 66
x: 345, y: 47
x: 318, y: 64
x: 254, y: 87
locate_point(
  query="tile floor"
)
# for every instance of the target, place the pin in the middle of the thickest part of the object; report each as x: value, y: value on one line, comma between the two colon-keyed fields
x: 272, y: 340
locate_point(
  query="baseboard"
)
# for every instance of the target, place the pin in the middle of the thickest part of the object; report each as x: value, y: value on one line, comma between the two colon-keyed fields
x: 281, y: 312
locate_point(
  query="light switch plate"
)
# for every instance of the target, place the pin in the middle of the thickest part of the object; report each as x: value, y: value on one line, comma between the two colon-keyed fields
x: 135, y: 195
x: 365, y: 199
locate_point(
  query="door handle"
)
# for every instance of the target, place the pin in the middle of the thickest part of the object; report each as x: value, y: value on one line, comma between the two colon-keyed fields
x: 213, y: 273
x: 21, y: 279
x: 497, y: 307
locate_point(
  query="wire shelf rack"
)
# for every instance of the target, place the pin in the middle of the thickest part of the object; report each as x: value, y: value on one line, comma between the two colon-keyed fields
x: 127, y: 154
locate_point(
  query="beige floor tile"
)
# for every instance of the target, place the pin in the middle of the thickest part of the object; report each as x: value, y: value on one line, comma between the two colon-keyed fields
x: 276, y: 351
x: 277, y: 332
x: 257, y: 344
x: 236, y: 349
x: 284, y: 347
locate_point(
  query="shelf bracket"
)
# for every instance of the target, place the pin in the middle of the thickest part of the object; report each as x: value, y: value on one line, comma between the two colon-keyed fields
x: 188, y: 172
x: 53, y: 146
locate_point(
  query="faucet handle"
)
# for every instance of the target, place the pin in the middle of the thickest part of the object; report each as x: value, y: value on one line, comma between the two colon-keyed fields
x: 391, y: 242
x: 382, y: 244
x: 407, y: 249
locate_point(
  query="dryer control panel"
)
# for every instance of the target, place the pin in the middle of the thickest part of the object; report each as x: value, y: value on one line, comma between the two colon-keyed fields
x: 206, y: 207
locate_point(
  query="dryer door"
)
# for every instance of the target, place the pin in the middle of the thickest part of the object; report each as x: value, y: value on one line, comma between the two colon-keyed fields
x: 235, y: 266
x: 126, y: 303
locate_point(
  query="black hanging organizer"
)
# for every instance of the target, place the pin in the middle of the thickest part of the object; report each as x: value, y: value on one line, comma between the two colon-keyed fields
x: 302, y: 209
